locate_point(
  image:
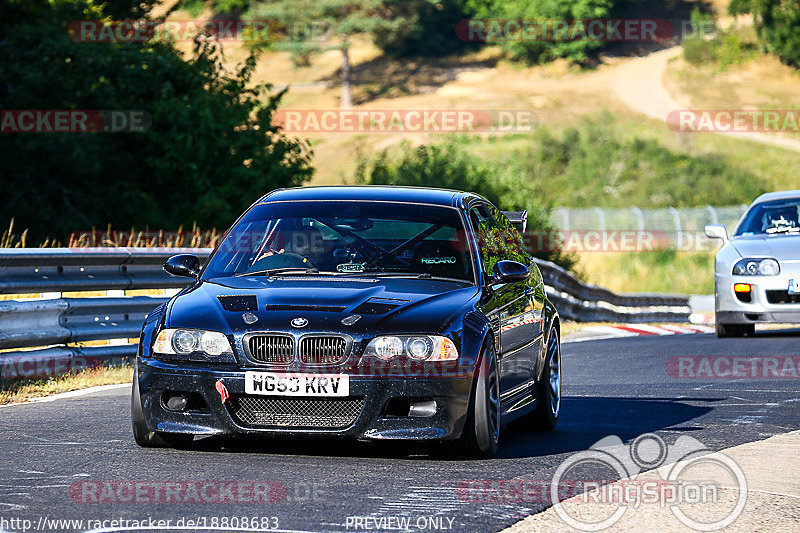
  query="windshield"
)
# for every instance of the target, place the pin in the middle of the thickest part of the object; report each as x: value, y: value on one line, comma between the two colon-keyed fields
x: 345, y: 238
x: 779, y: 217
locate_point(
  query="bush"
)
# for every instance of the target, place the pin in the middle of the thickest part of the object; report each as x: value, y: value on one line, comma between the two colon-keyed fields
x: 776, y: 23
x: 697, y: 50
x: 594, y: 164
x: 599, y: 162
x: 724, y: 49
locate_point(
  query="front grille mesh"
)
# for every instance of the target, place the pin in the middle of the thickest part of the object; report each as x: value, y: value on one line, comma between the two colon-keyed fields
x: 782, y: 297
x: 271, y: 348
x: 329, y: 413
x: 323, y: 350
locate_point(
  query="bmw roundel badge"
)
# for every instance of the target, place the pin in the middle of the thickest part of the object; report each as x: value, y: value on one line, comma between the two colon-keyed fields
x: 299, y: 322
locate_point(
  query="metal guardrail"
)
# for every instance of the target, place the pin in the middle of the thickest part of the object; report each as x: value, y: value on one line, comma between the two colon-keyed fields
x: 63, y: 320
x: 28, y: 270
x: 582, y: 302
x: 72, y: 319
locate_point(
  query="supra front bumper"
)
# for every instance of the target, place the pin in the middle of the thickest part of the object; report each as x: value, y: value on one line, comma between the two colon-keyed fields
x: 731, y: 310
x: 158, y: 379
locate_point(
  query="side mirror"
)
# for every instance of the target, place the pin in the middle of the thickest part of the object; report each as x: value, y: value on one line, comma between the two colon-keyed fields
x: 185, y: 265
x: 716, y: 231
x: 510, y: 271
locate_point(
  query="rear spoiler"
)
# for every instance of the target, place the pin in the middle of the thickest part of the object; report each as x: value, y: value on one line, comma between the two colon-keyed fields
x: 518, y: 218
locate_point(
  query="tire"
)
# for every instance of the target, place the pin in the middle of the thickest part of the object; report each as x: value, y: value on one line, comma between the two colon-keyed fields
x: 735, y: 330
x: 152, y: 439
x: 548, y: 388
x: 481, y: 435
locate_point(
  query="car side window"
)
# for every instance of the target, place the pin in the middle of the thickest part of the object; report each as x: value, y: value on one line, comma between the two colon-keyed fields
x: 488, y: 235
x: 514, y: 247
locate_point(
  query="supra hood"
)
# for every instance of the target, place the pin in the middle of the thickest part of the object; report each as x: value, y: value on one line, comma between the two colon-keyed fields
x: 383, y: 304
x: 782, y: 248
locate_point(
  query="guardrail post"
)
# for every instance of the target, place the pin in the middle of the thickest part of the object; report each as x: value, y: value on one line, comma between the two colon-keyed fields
x: 564, y: 218
x: 601, y: 218
x: 639, y: 218
x: 678, y: 233
x: 713, y: 213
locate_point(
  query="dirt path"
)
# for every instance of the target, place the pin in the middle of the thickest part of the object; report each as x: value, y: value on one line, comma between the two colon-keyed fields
x: 640, y: 84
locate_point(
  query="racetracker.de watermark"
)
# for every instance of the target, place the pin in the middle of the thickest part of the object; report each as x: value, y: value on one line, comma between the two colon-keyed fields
x: 568, y: 241
x: 567, y: 30
x: 37, y: 366
x: 624, y: 241
x: 74, y: 121
x: 733, y: 367
x: 734, y: 120
x: 202, y: 492
x: 193, y: 30
x: 405, y: 120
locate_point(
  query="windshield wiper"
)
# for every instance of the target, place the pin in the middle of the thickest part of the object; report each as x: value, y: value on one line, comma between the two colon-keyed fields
x: 287, y: 271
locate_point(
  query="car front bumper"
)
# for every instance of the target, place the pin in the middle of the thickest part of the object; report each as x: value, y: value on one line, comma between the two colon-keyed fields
x: 158, y: 379
x: 731, y: 310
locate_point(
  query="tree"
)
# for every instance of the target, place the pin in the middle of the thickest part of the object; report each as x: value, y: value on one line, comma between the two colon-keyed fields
x: 210, y: 149
x: 316, y: 25
x: 429, y: 29
x: 548, y: 11
x: 776, y: 22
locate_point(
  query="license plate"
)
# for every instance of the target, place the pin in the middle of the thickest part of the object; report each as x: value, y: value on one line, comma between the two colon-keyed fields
x: 275, y: 384
x: 794, y: 286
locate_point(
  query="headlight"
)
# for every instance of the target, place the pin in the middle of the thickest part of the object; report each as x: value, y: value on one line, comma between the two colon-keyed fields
x: 417, y: 347
x: 756, y: 267
x: 189, y: 341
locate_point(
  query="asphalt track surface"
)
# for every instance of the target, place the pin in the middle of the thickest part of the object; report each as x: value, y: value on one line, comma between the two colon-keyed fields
x: 620, y: 387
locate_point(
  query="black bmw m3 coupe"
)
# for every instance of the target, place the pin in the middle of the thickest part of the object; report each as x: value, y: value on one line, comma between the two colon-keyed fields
x: 363, y: 312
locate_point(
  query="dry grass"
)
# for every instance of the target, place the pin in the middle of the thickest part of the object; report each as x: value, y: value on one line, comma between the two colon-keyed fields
x: 663, y: 271
x: 761, y: 83
x: 22, y: 390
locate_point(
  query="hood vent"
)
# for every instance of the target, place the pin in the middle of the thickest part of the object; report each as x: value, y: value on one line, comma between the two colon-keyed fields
x: 378, y: 306
x: 239, y: 303
x: 321, y: 308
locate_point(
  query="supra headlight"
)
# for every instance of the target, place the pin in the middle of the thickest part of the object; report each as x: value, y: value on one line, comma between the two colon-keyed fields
x: 189, y: 341
x: 756, y: 267
x: 417, y: 347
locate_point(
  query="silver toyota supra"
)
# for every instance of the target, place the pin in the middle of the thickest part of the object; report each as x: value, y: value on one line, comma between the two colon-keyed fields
x: 757, y: 270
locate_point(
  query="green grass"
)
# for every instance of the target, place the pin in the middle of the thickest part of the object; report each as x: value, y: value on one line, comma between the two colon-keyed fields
x: 606, y: 161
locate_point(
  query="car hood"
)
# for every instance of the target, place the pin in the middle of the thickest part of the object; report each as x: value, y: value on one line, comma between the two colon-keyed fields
x: 396, y: 305
x: 783, y: 248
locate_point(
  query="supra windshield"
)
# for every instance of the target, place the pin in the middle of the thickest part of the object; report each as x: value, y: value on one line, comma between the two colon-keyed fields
x: 779, y: 217
x: 345, y: 238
